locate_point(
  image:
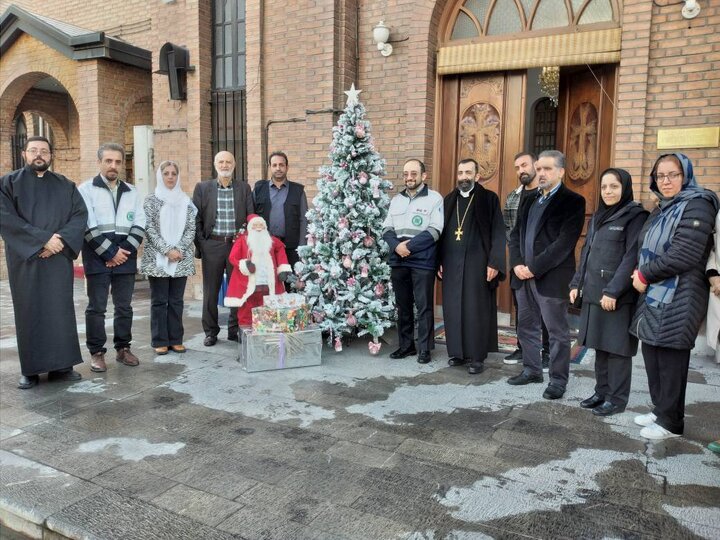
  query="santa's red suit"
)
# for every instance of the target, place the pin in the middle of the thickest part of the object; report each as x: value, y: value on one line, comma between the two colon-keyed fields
x: 241, y: 292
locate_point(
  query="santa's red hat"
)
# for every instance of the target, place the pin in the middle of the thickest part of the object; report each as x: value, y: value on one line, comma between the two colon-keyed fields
x: 252, y: 217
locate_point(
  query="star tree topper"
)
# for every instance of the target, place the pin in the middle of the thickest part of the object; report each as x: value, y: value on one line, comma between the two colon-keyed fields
x: 353, y: 96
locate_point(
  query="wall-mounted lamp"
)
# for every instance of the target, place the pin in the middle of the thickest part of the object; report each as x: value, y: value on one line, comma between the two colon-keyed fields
x: 691, y: 9
x: 381, y: 36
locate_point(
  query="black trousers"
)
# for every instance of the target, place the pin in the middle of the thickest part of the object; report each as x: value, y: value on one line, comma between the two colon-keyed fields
x: 667, y: 373
x: 414, y: 287
x: 545, y: 336
x: 214, y: 263
x: 99, y: 287
x: 166, y: 310
x: 612, y: 377
x: 292, y: 257
x: 534, y: 310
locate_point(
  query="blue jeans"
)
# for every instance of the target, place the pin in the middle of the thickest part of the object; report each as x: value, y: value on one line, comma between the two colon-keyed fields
x: 99, y: 287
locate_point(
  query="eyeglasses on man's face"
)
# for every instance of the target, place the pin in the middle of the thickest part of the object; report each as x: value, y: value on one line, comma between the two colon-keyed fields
x: 37, y: 151
x: 669, y: 177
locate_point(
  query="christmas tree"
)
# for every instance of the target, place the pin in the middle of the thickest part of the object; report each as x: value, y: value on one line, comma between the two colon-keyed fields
x: 343, y: 269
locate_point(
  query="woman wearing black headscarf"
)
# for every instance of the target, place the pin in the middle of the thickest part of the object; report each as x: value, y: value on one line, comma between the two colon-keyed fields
x: 604, y: 282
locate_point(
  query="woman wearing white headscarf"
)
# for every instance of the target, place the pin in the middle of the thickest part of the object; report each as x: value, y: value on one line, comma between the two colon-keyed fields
x: 168, y: 256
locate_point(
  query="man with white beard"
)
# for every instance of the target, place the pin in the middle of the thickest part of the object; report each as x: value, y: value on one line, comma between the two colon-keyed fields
x: 260, y: 267
x: 223, y: 205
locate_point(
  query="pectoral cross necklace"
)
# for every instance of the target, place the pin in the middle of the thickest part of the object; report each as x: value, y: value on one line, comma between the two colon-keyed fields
x: 459, y: 230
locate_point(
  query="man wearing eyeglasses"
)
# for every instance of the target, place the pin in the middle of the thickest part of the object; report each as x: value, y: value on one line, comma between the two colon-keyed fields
x: 42, y: 220
x: 411, y: 229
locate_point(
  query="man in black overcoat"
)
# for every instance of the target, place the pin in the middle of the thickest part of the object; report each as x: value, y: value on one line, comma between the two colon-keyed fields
x: 542, y: 257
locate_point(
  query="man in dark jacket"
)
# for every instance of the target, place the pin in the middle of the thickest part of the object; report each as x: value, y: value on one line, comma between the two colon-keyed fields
x: 223, y: 206
x: 542, y: 256
x: 283, y: 205
x: 524, y: 164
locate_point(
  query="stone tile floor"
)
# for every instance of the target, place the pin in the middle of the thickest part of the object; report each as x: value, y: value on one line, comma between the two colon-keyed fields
x: 191, y: 446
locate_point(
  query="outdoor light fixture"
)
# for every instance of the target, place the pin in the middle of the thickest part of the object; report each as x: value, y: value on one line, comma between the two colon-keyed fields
x: 381, y: 36
x: 691, y: 9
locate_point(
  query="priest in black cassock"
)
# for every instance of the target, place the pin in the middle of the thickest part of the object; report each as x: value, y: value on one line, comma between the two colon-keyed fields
x: 472, y: 263
x: 42, y: 220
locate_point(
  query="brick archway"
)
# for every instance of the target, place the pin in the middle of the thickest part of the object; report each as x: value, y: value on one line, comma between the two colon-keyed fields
x: 24, y: 65
x: 60, y: 112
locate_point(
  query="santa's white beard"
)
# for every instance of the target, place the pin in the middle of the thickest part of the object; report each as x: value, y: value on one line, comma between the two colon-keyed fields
x: 259, y: 243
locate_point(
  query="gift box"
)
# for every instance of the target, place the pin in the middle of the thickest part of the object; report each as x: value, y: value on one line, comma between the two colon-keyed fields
x: 285, y: 300
x: 280, y: 350
x: 266, y: 319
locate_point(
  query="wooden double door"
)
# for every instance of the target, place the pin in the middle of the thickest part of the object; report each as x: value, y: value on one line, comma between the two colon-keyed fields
x: 483, y: 116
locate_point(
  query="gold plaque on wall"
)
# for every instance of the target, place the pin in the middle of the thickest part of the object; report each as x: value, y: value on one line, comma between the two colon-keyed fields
x: 701, y: 137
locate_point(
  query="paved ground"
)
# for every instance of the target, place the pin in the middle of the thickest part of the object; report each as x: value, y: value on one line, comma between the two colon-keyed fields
x: 191, y: 447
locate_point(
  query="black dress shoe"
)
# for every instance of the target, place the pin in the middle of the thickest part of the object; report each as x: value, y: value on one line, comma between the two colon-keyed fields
x: 28, y: 381
x: 607, y: 409
x: 525, y: 378
x: 210, y: 341
x: 476, y: 368
x: 455, y: 361
x: 233, y: 337
x: 402, y: 353
x: 592, y: 402
x: 553, y: 392
x: 70, y: 376
x: 424, y: 357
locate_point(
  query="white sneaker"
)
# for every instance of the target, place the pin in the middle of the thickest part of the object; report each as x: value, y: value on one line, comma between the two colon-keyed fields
x: 645, y: 419
x: 656, y: 432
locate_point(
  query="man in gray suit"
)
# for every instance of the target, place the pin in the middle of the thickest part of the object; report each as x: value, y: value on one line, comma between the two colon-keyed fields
x: 223, y: 206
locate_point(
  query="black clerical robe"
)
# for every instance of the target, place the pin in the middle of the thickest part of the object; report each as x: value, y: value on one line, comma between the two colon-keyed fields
x: 469, y: 300
x: 32, y: 209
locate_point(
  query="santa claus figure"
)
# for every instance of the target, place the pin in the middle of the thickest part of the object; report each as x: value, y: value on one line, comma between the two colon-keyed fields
x: 260, y: 267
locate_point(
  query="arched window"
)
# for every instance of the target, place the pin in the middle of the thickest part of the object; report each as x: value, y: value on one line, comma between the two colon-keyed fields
x: 475, y: 19
x: 544, y: 126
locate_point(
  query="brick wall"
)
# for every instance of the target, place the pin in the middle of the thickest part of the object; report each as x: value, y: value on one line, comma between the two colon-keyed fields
x: 668, y: 79
x: 302, y: 55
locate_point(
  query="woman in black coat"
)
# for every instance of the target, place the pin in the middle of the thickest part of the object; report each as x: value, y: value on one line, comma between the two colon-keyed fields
x: 674, y: 247
x: 604, y: 282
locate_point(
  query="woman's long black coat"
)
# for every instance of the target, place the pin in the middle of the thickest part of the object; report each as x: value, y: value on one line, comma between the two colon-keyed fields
x: 607, y: 261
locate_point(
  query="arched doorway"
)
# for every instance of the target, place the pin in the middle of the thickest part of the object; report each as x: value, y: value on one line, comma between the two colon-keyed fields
x: 43, y: 106
x: 490, y: 59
